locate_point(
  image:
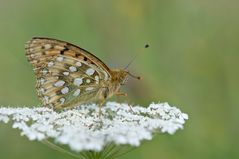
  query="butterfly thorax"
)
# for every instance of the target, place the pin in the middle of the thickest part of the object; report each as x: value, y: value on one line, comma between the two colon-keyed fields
x: 118, y: 78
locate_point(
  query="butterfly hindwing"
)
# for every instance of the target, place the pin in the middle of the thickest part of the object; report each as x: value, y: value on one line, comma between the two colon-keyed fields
x: 66, y: 75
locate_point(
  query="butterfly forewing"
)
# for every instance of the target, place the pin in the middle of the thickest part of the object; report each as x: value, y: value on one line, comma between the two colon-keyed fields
x: 66, y: 74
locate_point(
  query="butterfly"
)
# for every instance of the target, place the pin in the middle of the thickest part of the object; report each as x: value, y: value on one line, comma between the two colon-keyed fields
x: 68, y: 76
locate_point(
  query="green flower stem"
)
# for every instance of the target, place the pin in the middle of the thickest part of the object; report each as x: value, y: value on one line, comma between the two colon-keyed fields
x: 110, y: 151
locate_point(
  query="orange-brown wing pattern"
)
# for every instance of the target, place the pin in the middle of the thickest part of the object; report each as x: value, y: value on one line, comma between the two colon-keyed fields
x: 66, y: 74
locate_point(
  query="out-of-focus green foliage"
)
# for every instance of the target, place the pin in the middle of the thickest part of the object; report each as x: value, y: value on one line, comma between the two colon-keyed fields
x: 192, y: 62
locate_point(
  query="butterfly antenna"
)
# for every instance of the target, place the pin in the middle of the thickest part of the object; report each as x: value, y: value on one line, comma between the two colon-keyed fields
x: 137, y: 77
x: 127, y: 66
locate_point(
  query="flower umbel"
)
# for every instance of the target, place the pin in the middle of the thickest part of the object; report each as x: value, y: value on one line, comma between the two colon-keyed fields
x: 82, y: 129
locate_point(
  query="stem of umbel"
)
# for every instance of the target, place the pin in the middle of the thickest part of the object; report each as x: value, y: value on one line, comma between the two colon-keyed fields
x: 110, y: 151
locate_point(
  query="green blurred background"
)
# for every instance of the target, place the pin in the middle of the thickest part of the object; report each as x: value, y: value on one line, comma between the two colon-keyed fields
x: 192, y: 63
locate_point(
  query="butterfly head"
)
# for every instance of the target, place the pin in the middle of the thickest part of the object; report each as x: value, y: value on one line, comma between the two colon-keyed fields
x: 121, y: 76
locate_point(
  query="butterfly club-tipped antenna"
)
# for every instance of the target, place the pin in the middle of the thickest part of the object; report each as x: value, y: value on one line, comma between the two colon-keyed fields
x: 131, y: 61
x: 136, y: 77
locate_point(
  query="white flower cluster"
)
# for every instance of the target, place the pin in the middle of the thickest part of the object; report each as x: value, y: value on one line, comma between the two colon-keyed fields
x: 82, y: 129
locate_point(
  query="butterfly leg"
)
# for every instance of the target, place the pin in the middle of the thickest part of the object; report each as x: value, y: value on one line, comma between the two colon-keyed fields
x: 131, y: 109
x: 100, y: 111
x: 124, y: 94
x: 121, y: 94
x: 100, y: 107
x: 104, y: 93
